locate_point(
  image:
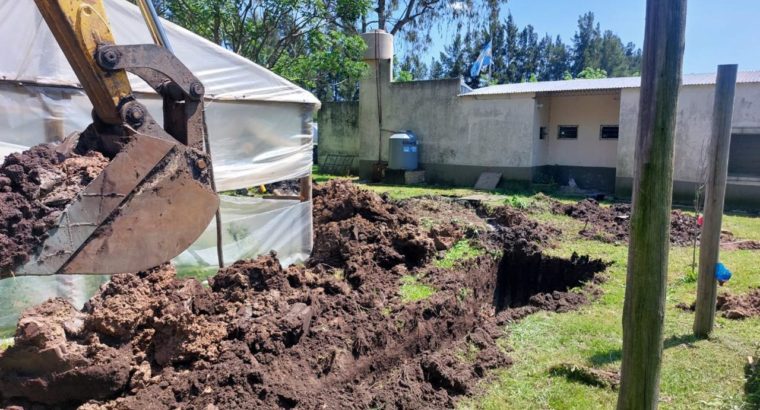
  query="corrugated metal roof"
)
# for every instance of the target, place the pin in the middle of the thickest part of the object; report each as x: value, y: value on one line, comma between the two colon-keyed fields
x: 600, y: 84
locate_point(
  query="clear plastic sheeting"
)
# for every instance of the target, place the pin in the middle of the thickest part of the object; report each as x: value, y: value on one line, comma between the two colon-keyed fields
x: 252, y: 142
x: 249, y: 226
x: 259, y: 130
x: 17, y: 294
x: 30, y: 54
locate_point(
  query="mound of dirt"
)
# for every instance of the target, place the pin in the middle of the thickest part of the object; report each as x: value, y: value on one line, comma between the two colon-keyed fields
x: 518, y: 232
x: 611, y: 224
x: 733, y: 306
x: 331, y: 334
x: 355, y: 229
x: 739, y: 306
x: 35, y: 186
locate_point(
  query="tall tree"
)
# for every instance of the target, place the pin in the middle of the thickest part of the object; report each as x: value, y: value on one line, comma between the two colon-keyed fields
x: 437, y: 71
x: 411, y: 64
x: 558, y: 61
x: 612, y: 57
x: 512, y: 50
x: 587, y: 44
x: 528, y: 53
x: 454, y: 58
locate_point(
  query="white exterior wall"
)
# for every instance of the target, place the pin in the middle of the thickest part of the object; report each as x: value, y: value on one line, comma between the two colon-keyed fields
x: 498, y: 132
x: 693, y: 127
x: 588, y: 112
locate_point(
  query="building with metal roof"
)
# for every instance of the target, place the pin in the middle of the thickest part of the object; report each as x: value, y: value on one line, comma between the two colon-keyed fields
x: 599, y: 84
x: 576, y: 132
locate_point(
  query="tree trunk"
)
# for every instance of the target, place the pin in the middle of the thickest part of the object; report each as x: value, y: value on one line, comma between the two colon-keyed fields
x: 381, y: 14
x: 646, y: 282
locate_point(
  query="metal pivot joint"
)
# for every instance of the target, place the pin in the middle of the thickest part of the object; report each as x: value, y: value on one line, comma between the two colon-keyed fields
x: 181, y: 90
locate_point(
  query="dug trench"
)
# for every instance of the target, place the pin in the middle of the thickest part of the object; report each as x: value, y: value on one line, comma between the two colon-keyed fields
x: 332, y: 333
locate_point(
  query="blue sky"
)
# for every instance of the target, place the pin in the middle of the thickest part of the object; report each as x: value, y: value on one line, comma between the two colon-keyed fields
x: 717, y: 31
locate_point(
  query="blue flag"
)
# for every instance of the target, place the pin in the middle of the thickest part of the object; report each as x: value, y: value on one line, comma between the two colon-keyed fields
x: 484, y: 60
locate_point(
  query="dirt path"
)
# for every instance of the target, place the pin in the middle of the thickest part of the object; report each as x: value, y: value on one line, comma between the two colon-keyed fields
x: 331, y: 334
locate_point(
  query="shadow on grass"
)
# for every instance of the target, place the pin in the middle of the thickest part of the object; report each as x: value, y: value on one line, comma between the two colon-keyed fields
x: 615, y: 355
x: 752, y: 385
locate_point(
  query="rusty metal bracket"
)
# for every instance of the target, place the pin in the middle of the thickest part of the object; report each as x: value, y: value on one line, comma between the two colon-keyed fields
x: 154, y: 64
x: 181, y: 90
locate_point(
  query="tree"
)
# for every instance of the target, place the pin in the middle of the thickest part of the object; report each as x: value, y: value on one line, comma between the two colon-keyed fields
x: 557, y: 61
x: 302, y: 40
x: 410, y: 68
x: 612, y: 57
x: 437, y: 70
x: 453, y: 58
x: 512, y: 52
x: 587, y: 44
x: 590, y: 72
x: 413, y: 20
x: 528, y: 53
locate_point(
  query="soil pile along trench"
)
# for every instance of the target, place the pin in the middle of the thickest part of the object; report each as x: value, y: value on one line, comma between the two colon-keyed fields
x: 733, y: 306
x: 611, y: 223
x: 333, y: 333
x: 35, y: 187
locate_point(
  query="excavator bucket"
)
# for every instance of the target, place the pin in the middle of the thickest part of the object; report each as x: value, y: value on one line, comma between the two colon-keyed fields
x: 147, y: 206
x: 156, y: 195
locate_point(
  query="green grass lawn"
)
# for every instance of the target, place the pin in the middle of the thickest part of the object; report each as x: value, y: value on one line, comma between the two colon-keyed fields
x: 696, y: 374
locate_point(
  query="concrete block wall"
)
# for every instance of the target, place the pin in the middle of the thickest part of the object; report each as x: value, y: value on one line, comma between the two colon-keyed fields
x: 339, y: 130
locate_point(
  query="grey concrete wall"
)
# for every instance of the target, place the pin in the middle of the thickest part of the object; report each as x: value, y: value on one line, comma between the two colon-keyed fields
x: 459, y: 137
x: 693, y: 127
x: 339, y: 129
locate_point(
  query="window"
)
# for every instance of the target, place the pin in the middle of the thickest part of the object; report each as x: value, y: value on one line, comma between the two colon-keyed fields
x: 542, y: 133
x: 608, y: 132
x: 568, y: 132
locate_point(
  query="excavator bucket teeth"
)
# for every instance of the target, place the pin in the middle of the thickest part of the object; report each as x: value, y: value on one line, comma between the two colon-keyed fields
x: 150, y: 203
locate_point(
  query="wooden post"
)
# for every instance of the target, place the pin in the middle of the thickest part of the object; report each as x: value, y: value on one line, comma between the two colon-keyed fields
x: 715, y: 193
x: 646, y: 282
x: 305, y: 189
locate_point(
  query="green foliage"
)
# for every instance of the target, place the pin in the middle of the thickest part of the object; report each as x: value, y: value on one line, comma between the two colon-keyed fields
x: 590, y: 72
x: 324, y: 56
x: 404, y: 76
x: 464, y: 294
x: 461, y: 251
x: 302, y: 40
x: 519, y: 202
x: 6, y: 343
x: 411, y: 290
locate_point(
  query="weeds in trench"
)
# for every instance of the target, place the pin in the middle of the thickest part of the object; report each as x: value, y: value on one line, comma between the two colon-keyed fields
x: 427, y: 223
x: 463, y: 294
x: 339, y: 274
x: 519, y: 202
x: 461, y: 251
x: 411, y: 290
x: 6, y: 343
x: 467, y: 354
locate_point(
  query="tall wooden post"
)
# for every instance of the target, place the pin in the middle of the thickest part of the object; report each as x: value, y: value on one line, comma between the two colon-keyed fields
x: 646, y: 282
x: 715, y: 193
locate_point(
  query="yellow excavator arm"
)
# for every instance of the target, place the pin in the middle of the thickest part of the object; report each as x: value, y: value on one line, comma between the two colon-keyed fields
x: 156, y: 195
